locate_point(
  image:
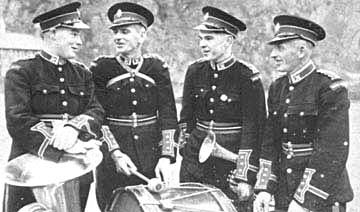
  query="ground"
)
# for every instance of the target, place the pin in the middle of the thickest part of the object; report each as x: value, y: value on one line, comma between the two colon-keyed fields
x: 353, y: 164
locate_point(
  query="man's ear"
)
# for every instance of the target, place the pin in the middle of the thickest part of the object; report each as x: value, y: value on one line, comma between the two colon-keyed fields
x: 52, y: 34
x: 143, y: 35
x: 229, y: 41
x: 302, y: 51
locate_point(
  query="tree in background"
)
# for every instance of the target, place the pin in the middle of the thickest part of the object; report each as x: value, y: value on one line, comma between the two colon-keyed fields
x: 173, y: 38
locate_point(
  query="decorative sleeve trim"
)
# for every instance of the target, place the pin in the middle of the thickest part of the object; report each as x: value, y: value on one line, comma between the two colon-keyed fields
x: 46, y: 132
x: 305, y: 186
x: 168, y: 142
x: 264, y: 175
x: 81, y: 123
x: 242, y: 164
x: 109, y: 138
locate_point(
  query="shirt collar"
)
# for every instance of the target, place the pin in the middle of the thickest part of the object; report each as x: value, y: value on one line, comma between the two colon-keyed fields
x: 224, y: 64
x: 56, y: 60
x: 300, y: 74
x: 129, y: 61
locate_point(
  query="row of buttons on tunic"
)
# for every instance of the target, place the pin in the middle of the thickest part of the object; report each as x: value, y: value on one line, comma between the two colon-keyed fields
x: 134, y: 102
x: 62, y: 91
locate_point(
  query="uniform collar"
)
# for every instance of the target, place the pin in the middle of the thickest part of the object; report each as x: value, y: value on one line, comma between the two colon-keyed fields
x: 224, y: 64
x: 130, y: 61
x: 298, y: 75
x: 56, y: 60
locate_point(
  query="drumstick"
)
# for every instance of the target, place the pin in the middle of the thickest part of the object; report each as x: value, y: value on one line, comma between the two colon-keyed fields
x: 153, y: 184
x: 139, y: 175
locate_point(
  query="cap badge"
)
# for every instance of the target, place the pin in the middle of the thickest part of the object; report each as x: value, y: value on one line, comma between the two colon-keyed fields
x: 277, y: 28
x: 223, y: 97
x: 206, y: 16
x: 118, y: 14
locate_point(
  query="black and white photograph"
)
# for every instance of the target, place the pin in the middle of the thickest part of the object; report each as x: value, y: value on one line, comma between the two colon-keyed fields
x: 179, y: 105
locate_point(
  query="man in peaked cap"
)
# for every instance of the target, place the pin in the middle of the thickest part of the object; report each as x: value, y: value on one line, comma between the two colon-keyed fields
x: 223, y: 102
x: 47, y: 90
x: 306, y: 138
x: 136, y: 93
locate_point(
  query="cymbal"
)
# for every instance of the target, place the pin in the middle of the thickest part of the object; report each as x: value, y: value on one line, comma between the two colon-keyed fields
x: 29, y: 170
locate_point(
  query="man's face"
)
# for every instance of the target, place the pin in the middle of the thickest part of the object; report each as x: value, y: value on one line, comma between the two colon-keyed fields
x: 213, y: 45
x: 286, y: 56
x: 128, y: 38
x: 67, y: 42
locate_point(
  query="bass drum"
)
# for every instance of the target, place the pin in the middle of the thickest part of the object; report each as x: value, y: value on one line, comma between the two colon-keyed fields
x: 188, y: 197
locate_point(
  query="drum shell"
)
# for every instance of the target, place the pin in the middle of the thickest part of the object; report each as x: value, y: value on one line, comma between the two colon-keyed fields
x: 188, y: 197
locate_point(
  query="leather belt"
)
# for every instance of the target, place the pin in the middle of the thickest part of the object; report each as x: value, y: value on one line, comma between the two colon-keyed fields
x: 297, y: 150
x: 133, y: 120
x: 52, y: 117
x: 219, y: 127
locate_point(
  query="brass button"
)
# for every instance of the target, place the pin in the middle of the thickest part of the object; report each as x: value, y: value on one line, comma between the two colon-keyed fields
x: 62, y: 79
x: 134, y: 102
x: 132, y: 90
x: 65, y: 103
x: 62, y: 91
x: 44, y: 91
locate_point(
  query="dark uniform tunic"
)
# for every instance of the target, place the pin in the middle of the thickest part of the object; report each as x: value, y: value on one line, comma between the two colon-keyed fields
x: 229, y: 95
x: 306, y: 141
x: 42, y: 87
x: 141, y: 116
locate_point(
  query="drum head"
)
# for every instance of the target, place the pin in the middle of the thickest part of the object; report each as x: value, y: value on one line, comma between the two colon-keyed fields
x: 29, y: 170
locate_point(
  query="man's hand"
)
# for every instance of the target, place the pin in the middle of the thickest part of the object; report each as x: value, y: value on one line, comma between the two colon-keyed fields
x: 83, y: 147
x: 242, y: 189
x: 295, y: 207
x: 64, y: 137
x: 262, y: 202
x: 163, y: 170
x: 123, y: 162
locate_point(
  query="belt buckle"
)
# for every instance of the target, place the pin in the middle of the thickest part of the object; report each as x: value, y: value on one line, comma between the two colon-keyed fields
x: 65, y: 117
x: 134, y: 119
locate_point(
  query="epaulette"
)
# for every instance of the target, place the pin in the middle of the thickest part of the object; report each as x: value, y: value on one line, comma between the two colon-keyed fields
x: 93, y: 63
x: 75, y: 62
x: 18, y: 64
x: 255, y: 75
x: 200, y: 60
x: 156, y: 56
x: 153, y: 55
x: 15, y: 66
x: 337, y: 82
x: 330, y: 74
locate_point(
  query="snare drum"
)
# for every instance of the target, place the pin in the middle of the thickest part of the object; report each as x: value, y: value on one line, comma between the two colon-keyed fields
x: 184, y: 198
